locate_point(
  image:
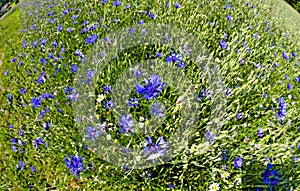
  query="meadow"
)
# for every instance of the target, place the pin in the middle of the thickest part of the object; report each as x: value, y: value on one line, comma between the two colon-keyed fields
x: 62, y: 115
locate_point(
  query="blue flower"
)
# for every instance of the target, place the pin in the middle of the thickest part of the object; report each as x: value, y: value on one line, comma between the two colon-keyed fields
x: 155, y: 150
x: 108, y: 104
x: 116, y: 3
x: 176, y: 5
x: 20, y: 165
x: 107, y: 89
x: 260, y: 132
x: 35, y: 102
x: 37, y: 141
x: 74, y: 164
x: 270, y: 178
x: 285, y: 55
x: 22, y: 90
x: 133, y: 102
x: 126, y: 123
x: 281, y: 112
x: 152, y: 88
x: 32, y: 169
x: 223, y: 44
x: 73, y: 68
x: 239, y: 116
x: 157, y: 109
x: 228, y: 18
x: 91, y: 39
x: 289, y: 86
x: 238, y: 162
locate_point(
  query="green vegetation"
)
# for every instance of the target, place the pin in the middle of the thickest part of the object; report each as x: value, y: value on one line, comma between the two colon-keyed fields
x: 257, y: 53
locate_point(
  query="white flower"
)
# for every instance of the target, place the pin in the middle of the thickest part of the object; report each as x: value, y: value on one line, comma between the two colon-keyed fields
x: 100, y: 98
x: 225, y: 174
x: 214, y: 187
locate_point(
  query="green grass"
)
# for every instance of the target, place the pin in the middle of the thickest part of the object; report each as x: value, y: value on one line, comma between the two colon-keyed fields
x: 195, y: 170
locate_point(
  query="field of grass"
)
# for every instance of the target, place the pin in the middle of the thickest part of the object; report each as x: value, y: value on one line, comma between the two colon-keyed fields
x: 69, y: 124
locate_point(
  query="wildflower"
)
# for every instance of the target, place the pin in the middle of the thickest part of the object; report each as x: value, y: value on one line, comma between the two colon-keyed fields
x: 133, y: 102
x: 108, y: 104
x: 155, y: 150
x: 285, y: 55
x: 157, y: 109
x: 238, y: 162
x: 100, y: 98
x: 9, y: 98
x: 74, y: 164
x: 152, y: 88
x: 214, y: 187
x: 239, y: 116
x: 127, y: 124
x: 20, y: 165
x: 32, y: 169
x: 294, y: 55
x: 224, y: 155
x: 176, y: 5
x: 107, y: 89
x: 281, y: 112
x: 208, y: 135
x: 270, y: 178
x: 289, y: 86
x: 37, y: 141
x: 116, y: 3
x: 91, y: 39
x: 225, y: 174
x: 223, y: 44
x: 35, y: 102
x: 260, y: 132
x: 228, y: 18
x: 22, y: 90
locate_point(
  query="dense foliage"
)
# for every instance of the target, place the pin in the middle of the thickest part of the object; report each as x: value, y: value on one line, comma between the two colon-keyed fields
x: 257, y: 147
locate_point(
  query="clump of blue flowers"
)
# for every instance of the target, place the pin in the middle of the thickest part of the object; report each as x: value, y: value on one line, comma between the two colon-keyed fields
x: 74, y: 164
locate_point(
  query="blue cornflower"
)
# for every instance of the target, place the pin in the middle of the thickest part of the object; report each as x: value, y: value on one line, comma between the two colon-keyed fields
x: 260, y: 132
x: 9, y: 98
x: 73, y: 68
x: 239, y: 116
x: 264, y: 95
x: 281, y: 112
x: 126, y: 123
x: 157, y: 109
x: 36, y: 142
x: 92, y: 133
x: 133, y: 102
x: 59, y: 28
x: 228, y: 18
x: 5, y: 72
x: 209, y: 136
x: 20, y: 165
x: 91, y: 39
x: 176, y: 5
x: 224, y: 155
x: 35, y: 102
x: 74, y: 164
x: 270, y: 178
x: 155, y: 150
x: 73, y: 96
x: 294, y: 54
x: 32, y: 168
x: 173, y: 58
x: 285, y: 55
x: 152, y: 88
x: 108, y: 104
x: 116, y: 3
x: 238, y: 162
x: 275, y: 64
x: 107, y: 89
x: 22, y: 90
x: 289, y: 86
x: 223, y: 44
